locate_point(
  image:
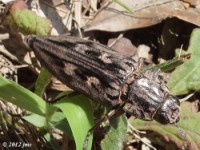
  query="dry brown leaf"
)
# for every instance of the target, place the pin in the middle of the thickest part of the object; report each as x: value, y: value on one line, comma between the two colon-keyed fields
x: 192, y: 2
x: 58, y: 13
x: 123, y: 46
x: 114, y: 17
x: 191, y: 15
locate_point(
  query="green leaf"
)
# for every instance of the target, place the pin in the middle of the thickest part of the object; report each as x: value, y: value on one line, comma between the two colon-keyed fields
x: 115, y: 137
x: 59, y: 121
x: 187, y: 76
x: 79, y: 114
x: 36, y: 120
x: 170, y: 64
x: 28, y: 22
x: 123, y: 5
x: 23, y: 98
x: 42, y: 81
x: 186, y: 134
x: 53, y: 144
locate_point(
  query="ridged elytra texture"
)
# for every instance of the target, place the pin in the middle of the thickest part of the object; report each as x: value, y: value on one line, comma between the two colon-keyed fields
x: 106, y: 76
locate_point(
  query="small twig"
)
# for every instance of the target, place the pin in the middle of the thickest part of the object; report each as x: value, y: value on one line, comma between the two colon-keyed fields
x: 8, y: 54
x: 86, y: 9
x: 79, y: 29
x: 143, y: 140
x: 133, y: 129
x: 4, y: 36
x: 77, y: 13
x: 136, y: 135
x: 179, y: 55
x: 14, y: 58
x: 187, y: 97
x: 115, y: 41
x: 21, y: 66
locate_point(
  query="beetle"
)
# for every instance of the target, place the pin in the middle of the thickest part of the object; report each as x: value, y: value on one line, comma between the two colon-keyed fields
x: 106, y: 76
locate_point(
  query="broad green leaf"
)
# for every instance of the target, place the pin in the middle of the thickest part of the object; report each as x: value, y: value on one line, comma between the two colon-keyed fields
x: 187, y: 76
x: 79, y: 114
x: 36, y: 120
x: 27, y: 22
x: 23, y: 98
x: 186, y: 133
x: 115, y: 137
x: 59, y: 121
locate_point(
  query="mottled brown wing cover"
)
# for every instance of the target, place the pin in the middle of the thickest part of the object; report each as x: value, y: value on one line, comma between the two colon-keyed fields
x: 84, y: 66
x: 106, y: 76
